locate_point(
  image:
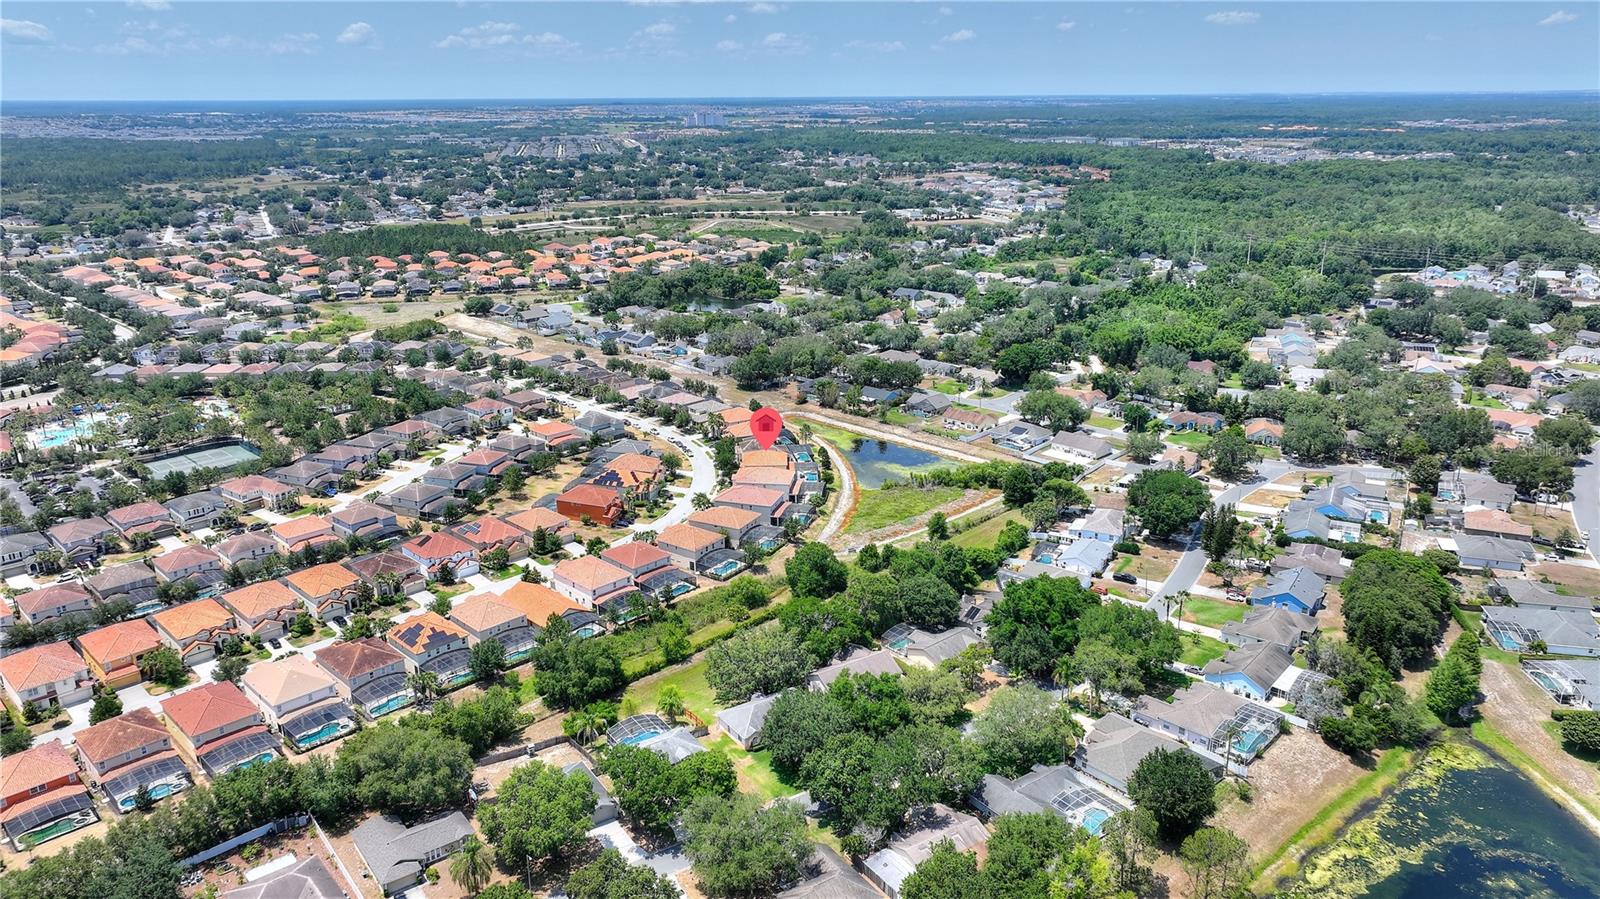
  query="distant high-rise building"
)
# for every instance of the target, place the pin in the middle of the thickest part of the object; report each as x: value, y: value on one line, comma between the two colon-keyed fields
x: 705, y: 118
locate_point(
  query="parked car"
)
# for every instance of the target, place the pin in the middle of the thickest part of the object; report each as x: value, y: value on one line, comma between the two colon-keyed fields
x: 1125, y: 577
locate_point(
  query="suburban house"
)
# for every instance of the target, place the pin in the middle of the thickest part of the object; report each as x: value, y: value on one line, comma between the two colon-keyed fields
x: 590, y: 579
x: 489, y: 413
x: 397, y: 855
x: 246, y: 548
x: 957, y: 418
x: 1264, y: 431
x: 265, y: 609
x: 1250, y: 670
x: 17, y: 552
x: 1297, y: 589
x: 363, y: 519
x: 142, y: 518
x: 1493, y: 553
x: 1114, y: 747
x: 743, y: 722
x: 369, y: 673
x: 54, y: 601
x: 601, y: 505
x: 1104, y: 525
x: 431, y: 643
x: 530, y: 521
x: 1573, y: 632
x: 1324, y: 561
x: 485, y: 617
x: 218, y: 726
x: 389, y: 573
x: 632, y: 475
x: 1534, y: 595
x: 42, y: 795
x: 858, y: 660
x: 300, y: 700
x: 115, y: 651
x: 194, y: 564
x: 539, y: 604
x: 302, y: 533
x: 1081, y: 446
x: 1204, y: 422
x: 1213, y: 720
x: 434, y: 551
x: 195, y: 629
x: 130, y: 752
x: 326, y: 590
x: 489, y: 533
x: 46, y: 675
x: 1270, y: 624
x: 736, y: 523
x: 255, y: 491
x: 689, y: 545
x: 195, y: 511
x: 926, y: 828
x: 419, y: 500
x: 1050, y: 789
x: 132, y: 582
x: 81, y: 539
x: 769, y: 504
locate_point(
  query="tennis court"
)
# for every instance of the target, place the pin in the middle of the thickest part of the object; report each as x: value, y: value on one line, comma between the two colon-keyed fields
x: 224, y: 456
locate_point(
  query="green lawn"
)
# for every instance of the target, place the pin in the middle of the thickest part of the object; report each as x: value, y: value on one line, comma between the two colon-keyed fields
x: 881, y: 508
x: 755, y: 769
x: 983, y: 536
x: 903, y: 419
x: 1208, y: 612
x: 1104, y: 421
x: 1199, y: 649
x: 690, y: 680
x: 839, y: 437
x: 1190, y: 439
x: 950, y: 387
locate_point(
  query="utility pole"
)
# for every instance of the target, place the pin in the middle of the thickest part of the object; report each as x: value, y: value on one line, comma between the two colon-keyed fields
x: 1250, y: 243
x: 1323, y: 264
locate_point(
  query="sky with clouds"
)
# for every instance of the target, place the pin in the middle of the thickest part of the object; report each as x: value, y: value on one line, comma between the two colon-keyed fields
x: 172, y: 49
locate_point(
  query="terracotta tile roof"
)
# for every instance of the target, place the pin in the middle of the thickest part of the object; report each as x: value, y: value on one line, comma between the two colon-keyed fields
x: 634, y: 554
x: 284, y: 679
x: 184, y: 557
x: 114, y: 736
x: 203, y: 708
x: 483, y: 612
x: 122, y: 640
x: 748, y: 495
x: 489, y: 531
x: 35, y: 767
x: 725, y: 517
x: 687, y: 536
x: 763, y: 477
x: 590, y: 495
x: 192, y: 617
x: 261, y: 600
x: 530, y: 520
x: 766, y: 459
x: 254, y: 483
x: 137, y: 512
x: 40, y: 665
x: 356, y: 657
x: 538, y: 603
x: 437, y: 545
x: 590, y: 572
x: 299, y: 528
x: 321, y: 580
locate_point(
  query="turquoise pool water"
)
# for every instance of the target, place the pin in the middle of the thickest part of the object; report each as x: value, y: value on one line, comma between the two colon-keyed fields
x: 261, y: 759
x: 724, y: 569
x: 1094, y: 818
x: 636, y: 739
x: 389, y: 705
x: 1247, y: 744
x: 325, y: 732
x: 157, y: 792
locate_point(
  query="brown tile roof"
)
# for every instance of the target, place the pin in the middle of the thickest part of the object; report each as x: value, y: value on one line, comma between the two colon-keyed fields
x: 418, y: 633
x: 192, y: 617
x: 752, y: 496
x: 538, y: 603
x: 286, y: 678
x: 485, y: 611
x: 687, y: 536
x: 40, y: 665
x: 321, y: 580
x: 531, y: 520
x: 355, y: 657
x: 725, y: 517
x: 203, y: 708
x: 590, y: 495
x: 259, y: 600
x: 115, y: 736
x: 184, y: 557
x: 590, y: 572
x: 634, y: 554
x: 437, y: 545
x: 36, y: 601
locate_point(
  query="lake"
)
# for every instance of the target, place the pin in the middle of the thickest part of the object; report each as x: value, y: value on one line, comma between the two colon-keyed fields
x: 1463, y: 824
x: 878, y: 461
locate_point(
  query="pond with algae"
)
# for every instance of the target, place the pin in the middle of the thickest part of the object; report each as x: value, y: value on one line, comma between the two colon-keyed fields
x: 1463, y: 824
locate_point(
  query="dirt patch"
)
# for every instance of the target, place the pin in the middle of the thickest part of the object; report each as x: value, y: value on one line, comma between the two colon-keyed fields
x: 1578, y: 577
x: 1267, y: 498
x: 1293, y: 780
x: 1517, y: 708
x: 1297, y: 478
x: 1546, y: 521
x: 1153, y: 563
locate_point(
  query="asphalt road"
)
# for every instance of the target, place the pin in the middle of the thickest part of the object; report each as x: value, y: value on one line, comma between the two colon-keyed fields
x: 1193, y: 562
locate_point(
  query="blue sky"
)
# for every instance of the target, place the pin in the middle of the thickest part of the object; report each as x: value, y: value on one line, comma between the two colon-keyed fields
x: 173, y: 50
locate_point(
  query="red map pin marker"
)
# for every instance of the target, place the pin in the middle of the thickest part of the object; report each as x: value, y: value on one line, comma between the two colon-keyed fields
x: 765, y: 426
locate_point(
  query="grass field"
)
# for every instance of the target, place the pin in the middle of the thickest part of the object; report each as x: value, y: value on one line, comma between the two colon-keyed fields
x: 983, y: 536
x: 1198, y: 649
x: 1190, y: 440
x: 950, y: 387
x: 1208, y: 612
x: 690, y: 680
x: 1104, y: 421
x: 881, y: 508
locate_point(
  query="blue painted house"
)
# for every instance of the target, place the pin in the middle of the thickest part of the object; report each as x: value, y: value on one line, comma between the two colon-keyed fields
x: 1296, y: 589
x: 1250, y: 670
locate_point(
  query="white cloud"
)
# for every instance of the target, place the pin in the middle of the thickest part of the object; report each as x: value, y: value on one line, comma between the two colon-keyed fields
x: 660, y: 29
x: 877, y: 46
x: 729, y: 46
x: 357, y: 33
x: 503, y: 34
x: 23, y: 31
x: 151, y: 5
x: 294, y: 44
x: 762, y: 9
x: 959, y: 37
x: 946, y: 11
x: 1234, y: 17
x: 730, y: 18
x: 1559, y: 17
x: 780, y: 42
x: 1066, y: 25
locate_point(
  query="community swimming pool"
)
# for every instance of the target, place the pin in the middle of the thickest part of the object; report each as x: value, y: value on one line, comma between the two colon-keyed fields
x: 62, y: 433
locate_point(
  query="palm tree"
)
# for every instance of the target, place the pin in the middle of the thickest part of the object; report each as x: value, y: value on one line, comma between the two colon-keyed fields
x: 425, y: 684
x: 472, y: 866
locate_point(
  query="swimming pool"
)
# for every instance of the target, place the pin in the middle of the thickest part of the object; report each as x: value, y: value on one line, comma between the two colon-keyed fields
x: 638, y: 738
x: 1249, y: 742
x: 157, y: 792
x: 62, y: 433
x: 388, y: 705
x: 261, y: 759
x: 809, y: 476
x: 325, y: 732
x: 802, y: 457
x: 1094, y: 819
x: 681, y: 588
x: 724, y: 569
